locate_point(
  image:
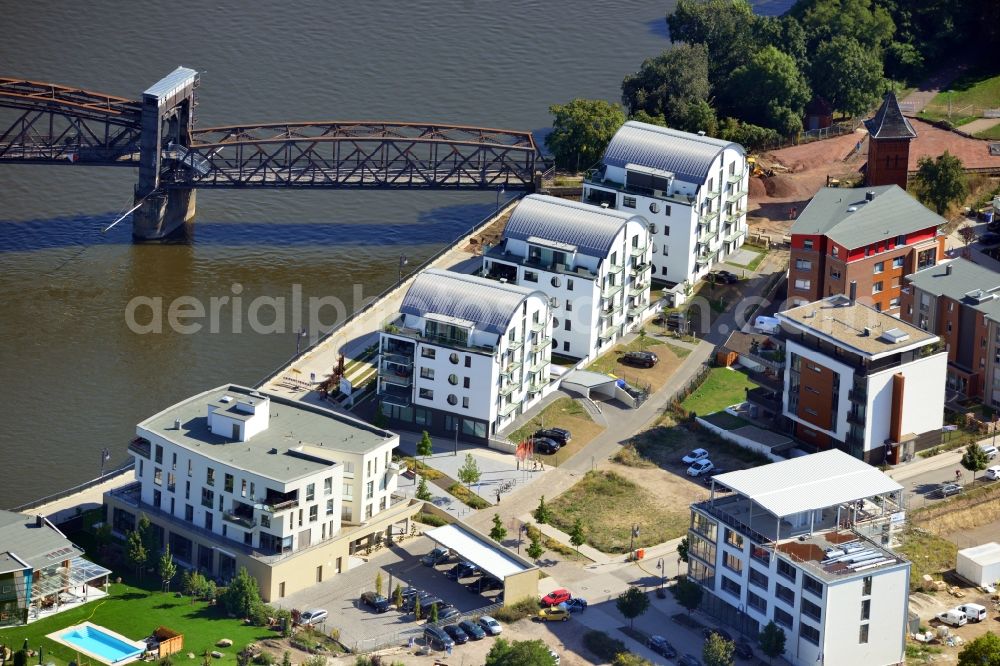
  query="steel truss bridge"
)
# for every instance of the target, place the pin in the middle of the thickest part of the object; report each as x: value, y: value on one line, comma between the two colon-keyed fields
x: 46, y: 123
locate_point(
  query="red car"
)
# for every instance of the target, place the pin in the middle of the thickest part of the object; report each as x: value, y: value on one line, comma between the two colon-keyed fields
x: 556, y: 597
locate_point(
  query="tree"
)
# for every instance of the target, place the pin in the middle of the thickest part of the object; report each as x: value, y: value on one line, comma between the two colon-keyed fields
x: 673, y: 87
x: 425, y: 447
x: 772, y: 640
x: 242, y: 596
x: 469, y: 472
x: 137, y: 553
x: 286, y: 659
x: 632, y: 603
x: 847, y: 75
x: 940, y: 182
x: 688, y: 594
x: 397, y: 596
x: 773, y: 90
x: 433, y: 617
x: 727, y: 28
x: 576, y: 535
x: 682, y: 549
x: 423, y: 493
x: 823, y: 20
x: 416, y: 607
x: 751, y: 137
x: 903, y: 61
x: 984, y: 651
x: 498, y: 533
x: 535, y: 548
x: 581, y: 131
x: 378, y: 583
x: 519, y: 653
x: 542, y: 514
x: 167, y: 568
x: 630, y: 659
x: 717, y: 651
x: 974, y: 459
x: 379, y: 419
x: 149, y: 539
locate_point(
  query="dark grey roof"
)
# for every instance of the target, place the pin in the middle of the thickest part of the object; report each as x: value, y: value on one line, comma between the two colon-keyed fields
x: 170, y: 83
x: 967, y: 282
x: 688, y: 156
x: 591, y: 229
x: 889, y: 122
x: 488, y: 304
x: 40, y: 546
x: 845, y: 215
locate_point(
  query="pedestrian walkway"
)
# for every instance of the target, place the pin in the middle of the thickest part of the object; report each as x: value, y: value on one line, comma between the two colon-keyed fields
x: 979, y: 125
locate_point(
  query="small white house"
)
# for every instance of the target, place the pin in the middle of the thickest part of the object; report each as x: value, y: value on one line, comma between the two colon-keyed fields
x: 980, y: 564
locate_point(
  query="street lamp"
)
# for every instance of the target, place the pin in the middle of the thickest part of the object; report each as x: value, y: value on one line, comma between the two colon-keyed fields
x: 631, y: 543
x: 105, y: 457
x: 663, y: 572
x: 456, y: 437
x: 299, y: 337
x: 500, y: 191
x: 402, y: 262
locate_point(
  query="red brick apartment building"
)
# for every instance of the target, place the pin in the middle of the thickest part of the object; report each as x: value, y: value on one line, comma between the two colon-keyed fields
x: 872, y: 236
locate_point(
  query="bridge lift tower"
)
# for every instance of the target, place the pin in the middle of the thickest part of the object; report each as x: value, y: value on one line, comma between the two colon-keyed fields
x: 166, y: 120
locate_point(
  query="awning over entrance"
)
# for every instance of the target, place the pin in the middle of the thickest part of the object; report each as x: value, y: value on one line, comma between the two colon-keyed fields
x: 590, y: 384
x: 79, y: 572
x: 487, y: 557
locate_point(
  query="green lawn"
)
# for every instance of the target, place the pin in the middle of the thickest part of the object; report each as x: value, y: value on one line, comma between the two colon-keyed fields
x: 721, y: 388
x: 135, y: 612
x: 992, y: 134
x: 980, y: 90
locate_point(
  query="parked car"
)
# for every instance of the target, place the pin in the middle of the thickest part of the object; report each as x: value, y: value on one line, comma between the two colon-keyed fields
x: 425, y: 606
x: 448, y: 613
x: 456, y: 634
x: 315, y: 616
x: 688, y: 660
x: 437, y: 639
x: 376, y: 602
x: 463, y: 569
x: 990, y: 451
x: 708, y: 631
x: 436, y: 556
x: 743, y: 649
x: 725, y: 277
x: 556, y: 597
x: 661, y: 646
x: 561, y: 436
x: 643, y: 359
x: 410, y: 602
x: 490, y: 626
x: 472, y: 630
x: 973, y: 612
x: 953, y: 617
x: 553, y: 614
x: 700, y: 467
x: 575, y: 605
x: 993, y: 473
x: 948, y: 489
x: 765, y: 324
x: 695, y: 455
x: 545, y: 445
x: 485, y: 584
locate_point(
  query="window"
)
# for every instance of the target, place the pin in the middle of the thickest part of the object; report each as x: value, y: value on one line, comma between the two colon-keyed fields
x: 803, y: 265
x: 900, y: 240
x: 453, y: 357
x: 210, y: 476
x: 810, y: 609
x: 835, y: 251
x: 207, y: 498
x: 784, y: 593
x: 731, y: 586
x: 568, y: 325
x: 453, y: 379
x: 265, y: 520
x: 569, y: 285
x: 807, y: 244
x: 228, y: 483
x: 189, y: 513
x: 897, y: 262
x: 565, y: 346
x: 877, y: 287
x: 465, y: 382
x: 328, y: 485
x: 426, y: 394
x: 666, y: 251
x: 803, y: 285
x: 654, y: 207
x: 863, y: 634
x: 530, y: 276
x: 663, y: 270
x: 427, y: 352
x: 809, y: 633
x: 310, y: 492
x: 158, y: 455
x: 666, y: 211
x: 427, y: 373
x: 703, y: 526
x: 465, y: 403
x: 732, y: 562
x: 756, y: 602
x: 329, y: 507
x: 783, y: 618
x: 452, y: 399
x: 734, y: 539
x: 866, y: 609
x: 313, y: 513
x: 187, y: 490
x: 468, y: 361
x: 812, y: 586
x: 866, y: 585
x: 370, y: 490
x: 787, y: 570
x: 894, y: 302
x: 190, y: 468
x: 628, y: 202
x: 348, y: 491
x: 879, y: 266
x: 758, y: 579
x: 653, y: 229
x: 158, y: 476
x: 760, y: 553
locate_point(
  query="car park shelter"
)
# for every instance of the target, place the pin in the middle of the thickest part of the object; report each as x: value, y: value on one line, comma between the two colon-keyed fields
x: 980, y: 564
x: 519, y: 576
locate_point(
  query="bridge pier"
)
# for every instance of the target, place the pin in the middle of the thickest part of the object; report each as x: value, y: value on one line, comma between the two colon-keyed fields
x: 164, y: 216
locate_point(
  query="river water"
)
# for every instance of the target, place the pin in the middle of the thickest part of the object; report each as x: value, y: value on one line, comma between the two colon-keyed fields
x: 75, y: 377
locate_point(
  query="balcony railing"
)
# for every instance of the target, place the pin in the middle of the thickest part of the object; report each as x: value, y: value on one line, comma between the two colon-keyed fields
x: 539, y: 365
x: 638, y: 250
x: 637, y: 289
x: 708, y: 235
x: 735, y: 178
x: 639, y: 269
x: 508, y: 388
x: 858, y: 394
x: 855, y: 418
x: 508, y: 409
x: 541, y: 344
x: 536, y: 385
x: 140, y: 446
x: 616, y: 268
x: 392, y: 378
x: 511, y: 368
x: 537, y: 326
x: 237, y: 519
x: 610, y: 291
x: 401, y: 360
x: 704, y: 258
x: 637, y: 309
x: 279, y: 506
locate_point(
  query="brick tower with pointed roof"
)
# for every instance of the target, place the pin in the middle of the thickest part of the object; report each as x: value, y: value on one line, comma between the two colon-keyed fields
x: 889, y: 136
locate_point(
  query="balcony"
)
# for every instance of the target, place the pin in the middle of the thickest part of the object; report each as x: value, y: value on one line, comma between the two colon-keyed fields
x: 514, y: 345
x: 400, y: 360
x: 858, y: 394
x: 639, y: 270
x: 277, y: 507
x: 537, y: 384
x: 610, y: 291
x: 539, y: 365
x: 637, y: 309
x: 705, y: 218
x: 637, y: 289
x: 607, y: 334
x: 512, y: 367
x: 734, y: 235
x: 735, y: 178
x: 615, y: 268
x: 855, y: 418
x: 607, y: 312
x: 238, y: 519
x: 508, y: 388
x: 508, y: 409
x: 738, y: 194
x: 714, y: 194
x: 396, y: 375
x: 638, y: 250
x: 394, y: 326
x: 537, y: 326
x: 707, y: 235
x: 140, y: 446
x: 541, y: 344
x: 705, y: 258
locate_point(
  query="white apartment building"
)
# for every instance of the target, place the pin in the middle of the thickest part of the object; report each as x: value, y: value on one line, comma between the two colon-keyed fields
x: 861, y: 380
x: 592, y: 263
x: 691, y: 188
x: 234, y: 477
x: 806, y: 543
x: 465, y: 355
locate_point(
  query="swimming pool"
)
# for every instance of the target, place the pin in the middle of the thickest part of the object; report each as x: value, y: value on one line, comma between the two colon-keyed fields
x: 100, y: 643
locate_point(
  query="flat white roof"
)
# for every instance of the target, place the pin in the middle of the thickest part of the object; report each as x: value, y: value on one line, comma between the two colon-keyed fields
x: 487, y: 557
x: 983, y: 554
x: 810, y: 482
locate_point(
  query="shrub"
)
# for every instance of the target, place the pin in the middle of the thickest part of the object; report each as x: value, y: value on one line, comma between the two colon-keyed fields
x: 603, y: 646
x: 430, y: 519
x: 527, y: 607
x: 265, y: 659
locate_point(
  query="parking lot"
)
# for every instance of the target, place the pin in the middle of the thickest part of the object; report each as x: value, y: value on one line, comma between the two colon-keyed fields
x: 360, y: 625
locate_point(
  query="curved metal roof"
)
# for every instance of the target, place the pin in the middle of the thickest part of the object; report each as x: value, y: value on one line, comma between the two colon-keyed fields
x: 489, y: 304
x: 591, y: 229
x: 687, y: 155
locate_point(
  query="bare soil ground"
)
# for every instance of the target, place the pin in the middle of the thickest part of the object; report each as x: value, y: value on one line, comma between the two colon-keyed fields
x: 563, y: 413
x: 611, y: 363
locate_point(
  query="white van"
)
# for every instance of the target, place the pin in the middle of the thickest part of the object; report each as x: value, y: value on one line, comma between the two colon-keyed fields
x: 766, y: 324
x: 974, y: 612
x: 990, y: 451
x: 953, y: 617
